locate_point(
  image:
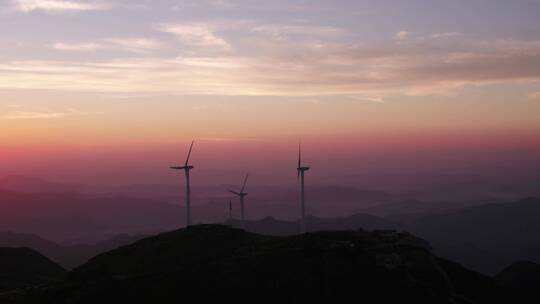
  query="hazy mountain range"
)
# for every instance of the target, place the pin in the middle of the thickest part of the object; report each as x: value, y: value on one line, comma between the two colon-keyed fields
x: 68, y: 256
x: 481, y: 235
x: 63, y: 211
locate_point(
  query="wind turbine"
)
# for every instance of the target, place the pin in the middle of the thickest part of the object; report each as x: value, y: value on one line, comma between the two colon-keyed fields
x: 186, y: 167
x: 301, y: 170
x: 230, y: 209
x: 242, y: 194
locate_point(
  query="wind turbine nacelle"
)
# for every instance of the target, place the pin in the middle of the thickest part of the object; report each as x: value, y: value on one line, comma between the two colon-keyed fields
x: 182, y: 168
x: 303, y: 168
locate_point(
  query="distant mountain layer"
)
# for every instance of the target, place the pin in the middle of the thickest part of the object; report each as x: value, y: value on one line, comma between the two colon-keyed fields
x: 500, y: 232
x: 408, y: 211
x: 35, y: 185
x: 68, y: 215
x: 67, y: 256
x: 409, y: 207
x: 23, y: 267
x: 12, y: 239
x: 214, y: 263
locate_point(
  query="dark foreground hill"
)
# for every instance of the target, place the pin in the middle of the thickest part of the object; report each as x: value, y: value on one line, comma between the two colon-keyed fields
x: 522, y: 278
x: 23, y: 267
x: 214, y: 263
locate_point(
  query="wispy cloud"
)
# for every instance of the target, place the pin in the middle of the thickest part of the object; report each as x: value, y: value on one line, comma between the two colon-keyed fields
x: 78, y: 47
x: 418, y: 67
x: 402, y: 35
x: 19, y: 115
x: 33, y: 115
x: 221, y: 3
x: 446, y: 35
x: 267, y: 6
x: 287, y: 30
x: 228, y: 139
x: 534, y: 96
x: 197, y: 35
x: 56, y: 5
x: 367, y: 98
x: 135, y: 45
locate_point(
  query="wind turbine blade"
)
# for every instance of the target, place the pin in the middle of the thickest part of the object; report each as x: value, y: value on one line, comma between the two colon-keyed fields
x: 178, y: 168
x: 234, y: 192
x: 299, y: 160
x: 245, y: 181
x: 299, y: 154
x: 189, y: 153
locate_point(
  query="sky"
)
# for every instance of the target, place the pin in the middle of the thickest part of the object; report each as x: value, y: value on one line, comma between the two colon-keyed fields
x: 102, y: 91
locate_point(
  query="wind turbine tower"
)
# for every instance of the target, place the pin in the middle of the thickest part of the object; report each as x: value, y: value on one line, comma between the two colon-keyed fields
x: 186, y: 167
x: 242, y: 195
x: 301, y: 171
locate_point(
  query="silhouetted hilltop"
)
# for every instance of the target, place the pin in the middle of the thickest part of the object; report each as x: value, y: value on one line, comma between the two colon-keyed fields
x: 352, y: 222
x: 267, y: 226
x: 67, y: 256
x: 272, y: 226
x: 508, y: 231
x: 75, y: 255
x: 523, y: 278
x: 23, y: 267
x: 474, y: 287
x: 214, y: 263
x: 46, y: 247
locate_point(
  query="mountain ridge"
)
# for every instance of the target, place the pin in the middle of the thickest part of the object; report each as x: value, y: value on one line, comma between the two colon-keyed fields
x: 220, y: 263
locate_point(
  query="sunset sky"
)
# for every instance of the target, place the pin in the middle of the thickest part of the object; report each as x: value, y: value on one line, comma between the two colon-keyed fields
x: 84, y: 84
